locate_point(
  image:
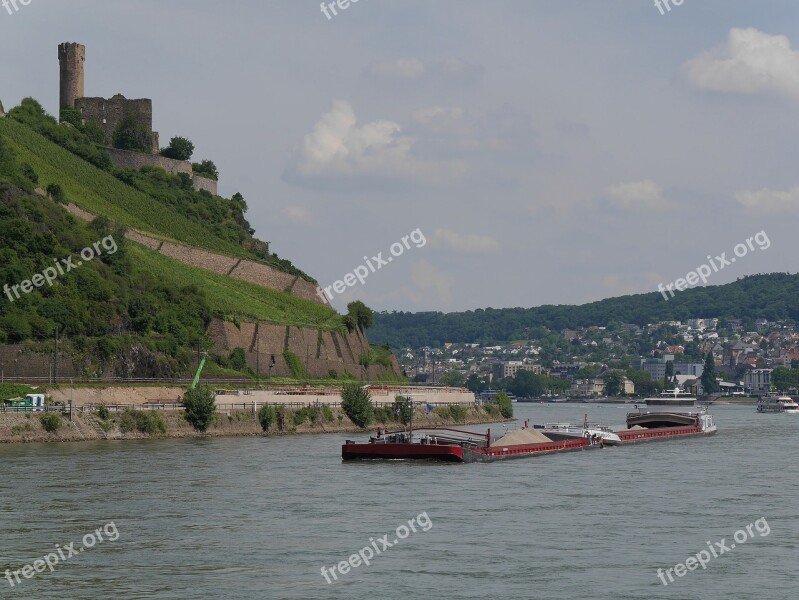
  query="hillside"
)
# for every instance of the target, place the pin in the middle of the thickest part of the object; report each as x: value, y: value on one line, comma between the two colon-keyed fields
x: 133, y: 311
x: 773, y: 297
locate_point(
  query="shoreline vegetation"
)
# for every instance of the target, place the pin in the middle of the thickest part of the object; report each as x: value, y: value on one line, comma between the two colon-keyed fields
x: 139, y: 425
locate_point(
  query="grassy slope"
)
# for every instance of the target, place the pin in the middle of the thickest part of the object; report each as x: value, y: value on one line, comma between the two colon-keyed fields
x: 237, y: 298
x: 100, y: 193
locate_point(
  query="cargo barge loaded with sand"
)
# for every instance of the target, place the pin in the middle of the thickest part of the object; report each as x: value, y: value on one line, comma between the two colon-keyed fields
x: 453, y: 445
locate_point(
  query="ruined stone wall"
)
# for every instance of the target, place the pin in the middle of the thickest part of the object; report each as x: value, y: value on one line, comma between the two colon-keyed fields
x: 203, y: 183
x: 108, y: 113
x: 125, y: 159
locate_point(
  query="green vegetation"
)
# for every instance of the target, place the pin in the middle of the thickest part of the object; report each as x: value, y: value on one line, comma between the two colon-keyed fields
x: 327, y: 413
x: 51, y: 422
x: 179, y: 149
x: 614, y: 383
x: 296, y: 368
x: 783, y: 378
x: 206, y: 168
x: 376, y: 355
x: 505, y: 405
x: 200, y: 408
x: 13, y: 390
x: 307, y: 413
x: 153, y: 202
x: 771, y: 297
x: 149, y: 422
x: 131, y: 135
x: 709, y: 383
x: 267, y: 415
x: 103, y: 412
x: 357, y: 404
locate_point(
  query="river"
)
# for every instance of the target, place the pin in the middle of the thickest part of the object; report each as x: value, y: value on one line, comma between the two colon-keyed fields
x: 255, y: 518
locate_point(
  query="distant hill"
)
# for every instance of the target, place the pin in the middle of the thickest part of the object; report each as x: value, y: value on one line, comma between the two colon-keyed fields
x: 772, y: 296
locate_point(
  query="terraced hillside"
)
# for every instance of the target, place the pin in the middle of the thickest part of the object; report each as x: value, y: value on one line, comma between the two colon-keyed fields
x: 141, y: 312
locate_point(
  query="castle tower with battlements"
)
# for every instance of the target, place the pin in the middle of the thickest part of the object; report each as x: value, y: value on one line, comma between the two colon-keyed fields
x: 106, y: 113
x: 71, y: 57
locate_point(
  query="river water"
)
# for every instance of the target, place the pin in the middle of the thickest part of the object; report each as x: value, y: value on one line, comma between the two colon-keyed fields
x: 255, y: 518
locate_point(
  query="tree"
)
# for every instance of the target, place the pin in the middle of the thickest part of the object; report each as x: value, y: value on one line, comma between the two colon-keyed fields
x: 784, y: 379
x: 475, y: 384
x: 357, y: 404
x: 505, y: 405
x: 614, y: 383
x: 206, y: 168
x: 238, y: 359
x: 452, y: 378
x: 200, y: 408
x: 527, y: 384
x: 667, y: 379
x: 266, y: 416
x: 361, y: 314
x: 131, y: 135
x: 179, y: 148
x: 709, y: 383
x: 642, y: 381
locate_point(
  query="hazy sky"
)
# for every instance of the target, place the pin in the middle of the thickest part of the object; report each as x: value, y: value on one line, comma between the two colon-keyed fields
x: 550, y: 152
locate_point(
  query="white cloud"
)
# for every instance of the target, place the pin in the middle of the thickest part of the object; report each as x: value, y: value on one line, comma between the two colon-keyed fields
x: 465, y: 242
x: 769, y: 200
x: 339, y: 148
x: 637, y: 194
x: 750, y: 62
x: 298, y: 214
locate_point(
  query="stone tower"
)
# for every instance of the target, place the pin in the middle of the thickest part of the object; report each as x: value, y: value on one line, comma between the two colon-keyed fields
x: 71, y: 57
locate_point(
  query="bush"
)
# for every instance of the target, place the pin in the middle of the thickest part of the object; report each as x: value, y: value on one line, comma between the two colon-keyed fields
x: 294, y: 364
x: 327, y: 413
x: 266, y: 416
x: 458, y: 413
x: 206, y: 168
x: 149, y: 422
x: 200, y: 408
x: 238, y: 359
x: 103, y: 412
x: 357, y: 404
x: 505, y: 405
x: 56, y: 193
x: 307, y: 413
x: 383, y: 414
x: 29, y: 173
x: 179, y: 148
x: 51, y: 422
x: 404, y: 405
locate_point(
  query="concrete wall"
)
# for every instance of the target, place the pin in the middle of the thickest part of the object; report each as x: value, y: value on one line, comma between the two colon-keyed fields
x: 333, y: 396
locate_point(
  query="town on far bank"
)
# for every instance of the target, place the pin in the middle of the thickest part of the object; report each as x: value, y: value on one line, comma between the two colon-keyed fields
x: 723, y: 357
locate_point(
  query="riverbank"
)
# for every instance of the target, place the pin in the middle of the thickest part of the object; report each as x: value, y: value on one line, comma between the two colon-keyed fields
x: 29, y: 428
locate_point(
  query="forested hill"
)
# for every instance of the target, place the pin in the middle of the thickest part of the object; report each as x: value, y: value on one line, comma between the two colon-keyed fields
x: 773, y: 296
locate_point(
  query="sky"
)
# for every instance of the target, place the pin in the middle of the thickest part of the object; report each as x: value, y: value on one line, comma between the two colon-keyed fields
x: 530, y: 152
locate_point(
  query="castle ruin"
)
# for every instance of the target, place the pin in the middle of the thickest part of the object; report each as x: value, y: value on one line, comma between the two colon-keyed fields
x: 106, y: 113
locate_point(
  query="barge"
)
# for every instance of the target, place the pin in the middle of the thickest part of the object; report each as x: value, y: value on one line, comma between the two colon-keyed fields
x: 661, y: 419
x: 453, y: 445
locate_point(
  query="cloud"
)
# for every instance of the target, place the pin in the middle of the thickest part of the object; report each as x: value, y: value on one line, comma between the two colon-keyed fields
x: 339, y: 149
x: 470, y: 243
x: 298, y: 214
x: 769, y: 200
x: 451, y: 71
x: 750, y: 62
x: 644, y: 194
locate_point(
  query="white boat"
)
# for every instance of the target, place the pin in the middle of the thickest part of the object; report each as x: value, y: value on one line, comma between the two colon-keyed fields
x: 777, y: 404
x: 592, y: 431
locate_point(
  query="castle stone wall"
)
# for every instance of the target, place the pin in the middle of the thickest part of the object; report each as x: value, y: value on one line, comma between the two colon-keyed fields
x: 125, y: 159
x: 203, y: 183
x: 71, y: 58
x: 108, y: 113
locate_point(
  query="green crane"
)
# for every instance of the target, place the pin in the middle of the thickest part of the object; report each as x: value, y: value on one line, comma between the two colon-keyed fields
x: 199, y: 371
